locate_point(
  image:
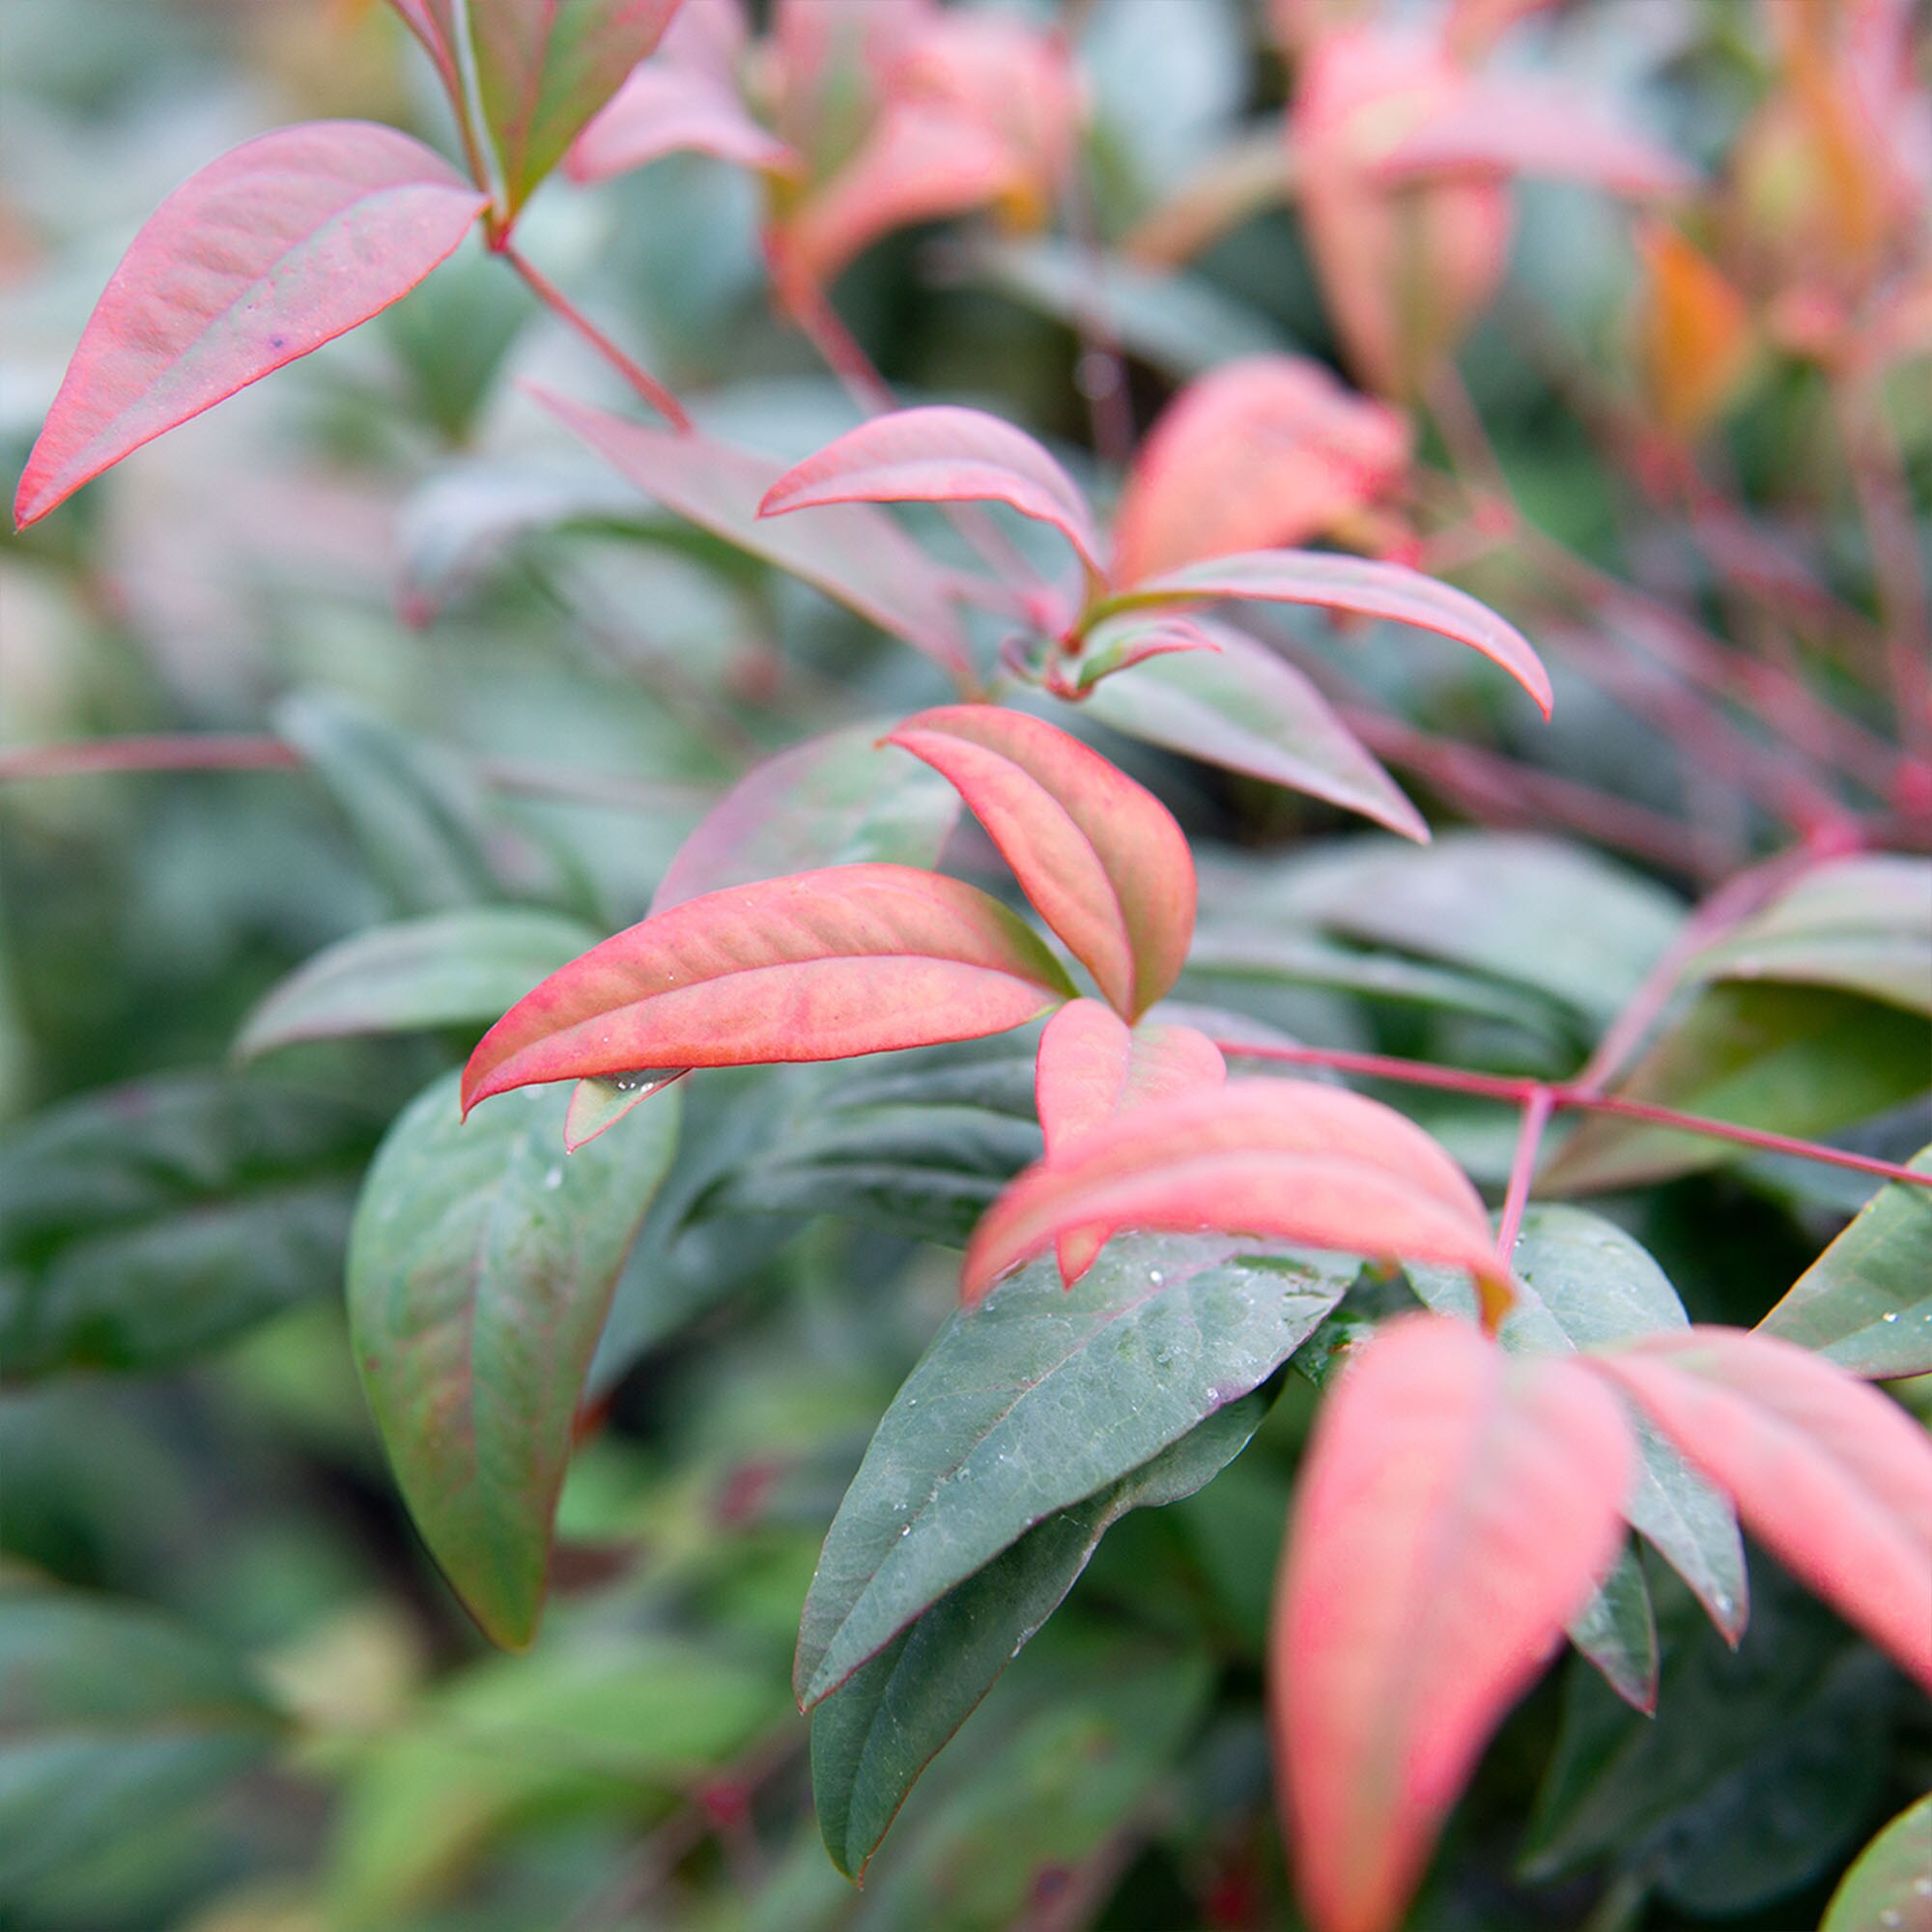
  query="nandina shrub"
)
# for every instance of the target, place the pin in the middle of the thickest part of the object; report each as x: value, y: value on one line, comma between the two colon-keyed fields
x: 1397, y: 1272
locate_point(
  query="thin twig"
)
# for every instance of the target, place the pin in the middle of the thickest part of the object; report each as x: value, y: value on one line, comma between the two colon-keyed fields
x: 1536, y: 1113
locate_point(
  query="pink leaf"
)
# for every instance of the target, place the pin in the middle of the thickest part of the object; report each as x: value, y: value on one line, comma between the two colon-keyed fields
x: 1831, y: 1476
x: 1350, y: 583
x: 940, y: 455
x: 853, y: 552
x: 280, y: 246
x: 434, y: 24
x: 1091, y: 1068
x: 1499, y: 127
x: 846, y: 960
x: 1099, y: 855
x: 663, y: 110
x: 1454, y: 1511
x: 1286, y: 1158
x: 1265, y: 451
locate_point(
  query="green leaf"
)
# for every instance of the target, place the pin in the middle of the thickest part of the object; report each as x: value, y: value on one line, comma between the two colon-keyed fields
x: 1586, y: 1285
x: 1032, y: 1402
x: 446, y: 969
x: 1617, y: 1630
x: 480, y: 1272
x: 1791, y: 1060
x: 111, y: 1716
x: 145, y: 1224
x: 1888, y: 1888
x: 1862, y: 924
x: 1866, y: 1301
x: 414, y: 813
x: 878, y: 1731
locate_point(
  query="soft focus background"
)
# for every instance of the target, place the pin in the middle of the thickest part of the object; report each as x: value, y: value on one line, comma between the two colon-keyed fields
x: 1686, y: 450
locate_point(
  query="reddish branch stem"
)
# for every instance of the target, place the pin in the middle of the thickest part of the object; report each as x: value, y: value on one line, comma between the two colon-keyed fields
x: 1536, y: 1113
x: 560, y: 304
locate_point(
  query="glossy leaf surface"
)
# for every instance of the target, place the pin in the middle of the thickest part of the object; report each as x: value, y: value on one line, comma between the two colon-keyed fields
x: 1829, y: 1475
x: 1099, y: 855
x: 1454, y: 1511
x: 853, y: 552
x: 480, y: 1270
x: 1582, y: 1285
x: 940, y: 455
x: 878, y: 1731
x: 1358, y: 584
x: 1617, y: 1630
x: 1867, y: 1302
x: 282, y: 244
x: 1032, y: 1403
x: 445, y: 969
x: 1282, y: 1158
x: 1890, y: 1884
x: 848, y: 959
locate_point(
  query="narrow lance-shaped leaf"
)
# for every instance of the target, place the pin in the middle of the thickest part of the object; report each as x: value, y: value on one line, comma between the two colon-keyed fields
x: 1454, y: 1511
x: 280, y: 246
x: 848, y: 959
x: 1094, y: 1067
x: 1831, y: 1476
x: 1286, y: 1158
x: 480, y: 1272
x: 1370, y: 590
x: 1866, y: 1301
x: 1099, y: 855
x: 940, y: 455
x: 852, y: 552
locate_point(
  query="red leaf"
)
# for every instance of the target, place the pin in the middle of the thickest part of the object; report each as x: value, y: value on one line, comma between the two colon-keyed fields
x: 280, y: 246
x: 1454, y: 1511
x: 1265, y: 450
x: 1831, y: 1477
x: 664, y: 110
x: 849, y: 960
x: 1099, y: 855
x: 1500, y: 128
x: 1266, y: 1157
x: 853, y: 552
x: 1094, y: 1067
x: 940, y: 455
x: 1350, y: 583
x: 545, y: 66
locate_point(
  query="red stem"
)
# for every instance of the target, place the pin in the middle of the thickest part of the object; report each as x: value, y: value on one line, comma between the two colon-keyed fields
x: 1564, y: 1094
x: 1536, y: 1113
x: 554, y: 298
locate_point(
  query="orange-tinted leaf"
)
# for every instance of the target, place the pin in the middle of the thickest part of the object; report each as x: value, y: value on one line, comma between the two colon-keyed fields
x: 280, y: 246
x: 1455, y: 1509
x: 1693, y: 332
x: 940, y: 455
x: 1099, y: 855
x: 1827, y: 1473
x: 1265, y: 451
x: 1093, y: 1066
x: 1354, y: 584
x: 851, y: 552
x: 845, y: 960
x: 1286, y: 1158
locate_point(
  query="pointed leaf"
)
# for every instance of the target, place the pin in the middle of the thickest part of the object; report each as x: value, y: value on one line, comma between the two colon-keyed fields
x: 849, y: 960
x: 480, y: 1270
x: 1034, y: 1403
x: 433, y: 24
x: 1617, y: 1630
x: 447, y: 969
x: 1099, y: 855
x: 878, y: 1731
x: 853, y: 553
x: 1455, y: 1510
x: 1266, y: 451
x: 597, y: 1105
x: 1582, y: 1285
x: 940, y: 455
x: 545, y: 66
x: 1867, y: 1302
x: 839, y: 799
x: 1832, y: 1478
x: 282, y: 244
x: 1889, y: 1887
x: 1246, y: 709
x: 1370, y: 590
x: 1283, y: 1158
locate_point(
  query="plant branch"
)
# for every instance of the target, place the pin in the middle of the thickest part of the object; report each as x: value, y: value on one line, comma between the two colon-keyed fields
x: 1536, y: 1113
